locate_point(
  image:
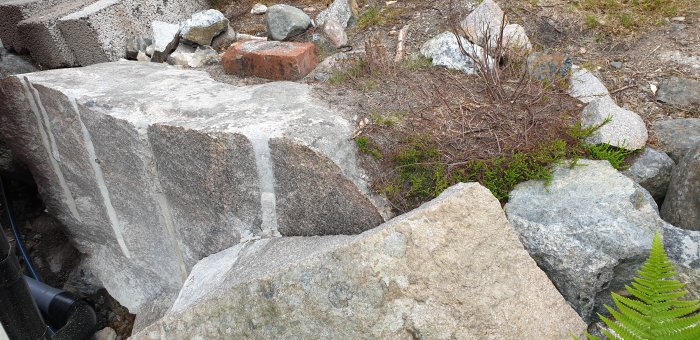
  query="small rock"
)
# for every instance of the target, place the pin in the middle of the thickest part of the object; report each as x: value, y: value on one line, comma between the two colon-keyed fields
x: 678, y: 19
x: 585, y: 86
x: 258, y: 9
x: 136, y: 44
x: 548, y: 66
x: 444, y: 51
x: 626, y: 129
x: 285, y: 22
x: 677, y: 136
x: 165, y: 40
x: 203, y: 27
x: 343, y: 11
x: 225, y: 39
x: 204, y: 55
x: 149, y: 50
x: 309, y: 9
x: 652, y: 170
x: 141, y: 56
x: 182, y: 55
x: 616, y: 64
x: 515, y: 41
x: 679, y: 91
x: 682, y: 204
x: 338, y: 62
x: 106, y: 333
x: 484, y: 21
x: 653, y: 88
x: 393, y: 33
x: 335, y: 32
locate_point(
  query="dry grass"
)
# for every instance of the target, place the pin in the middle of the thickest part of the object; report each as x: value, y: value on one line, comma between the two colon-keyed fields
x: 623, y: 17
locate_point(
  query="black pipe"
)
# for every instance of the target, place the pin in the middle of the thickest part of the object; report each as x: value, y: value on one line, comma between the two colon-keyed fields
x: 75, y: 318
x: 19, y: 314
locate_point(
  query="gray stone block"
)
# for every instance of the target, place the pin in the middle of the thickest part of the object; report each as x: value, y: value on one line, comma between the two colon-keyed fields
x: 151, y: 167
x: 46, y: 43
x: 12, y: 13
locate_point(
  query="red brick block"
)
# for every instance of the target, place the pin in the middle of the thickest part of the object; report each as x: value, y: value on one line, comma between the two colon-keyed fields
x: 275, y: 60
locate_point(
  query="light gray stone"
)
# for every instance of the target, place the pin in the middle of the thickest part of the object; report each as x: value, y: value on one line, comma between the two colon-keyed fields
x: 484, y: 22
x: 585, y: 86
x: 682, y: 204
x: 679, y: 91
x: 344, y: 12
x: 515, y: 41
x: 453, y: 268
x: 625, y: 129
x: 98, y: 32
x: 44, y: 39
x: 12, y: 13
x: 285, y: 22
x: 444, y: 50
x: 335, y: 33
x: 204, y: 55
x: 338, y: 62
x: 152, y: 168
x: 136, y: 45
x: 677, y: 136
x: 143, y: 57
x: 590, y: 229
x: 182, y: 55
x: 652, y: 170
x: 258, y: 9
x: 203, y: 27
x: 106, y: 333
x: 165, y: 40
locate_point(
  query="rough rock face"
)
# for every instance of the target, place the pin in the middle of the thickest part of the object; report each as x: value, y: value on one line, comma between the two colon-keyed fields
x: 677, y: 136
x: 590, y: 229
x: 652, y: 170
x: 679, y: 91
x: 12, y: 13
x: 444, y: 50
x: 44, y: 39
x: 625, y: 129
x: 453, y: 268
x: 154, y: 174
x: 682, y: 204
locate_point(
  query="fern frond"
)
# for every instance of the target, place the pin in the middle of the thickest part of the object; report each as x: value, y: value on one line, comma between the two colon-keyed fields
x: 656, y: 311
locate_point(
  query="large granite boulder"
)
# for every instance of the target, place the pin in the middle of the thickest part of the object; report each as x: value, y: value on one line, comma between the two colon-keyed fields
x: 682, y: 204
x: 591, y: 228
x: 585, y: 86
x: 452, y: 269
x: 344, y: 12
x: 677, y: 136
x: 152, y: 168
